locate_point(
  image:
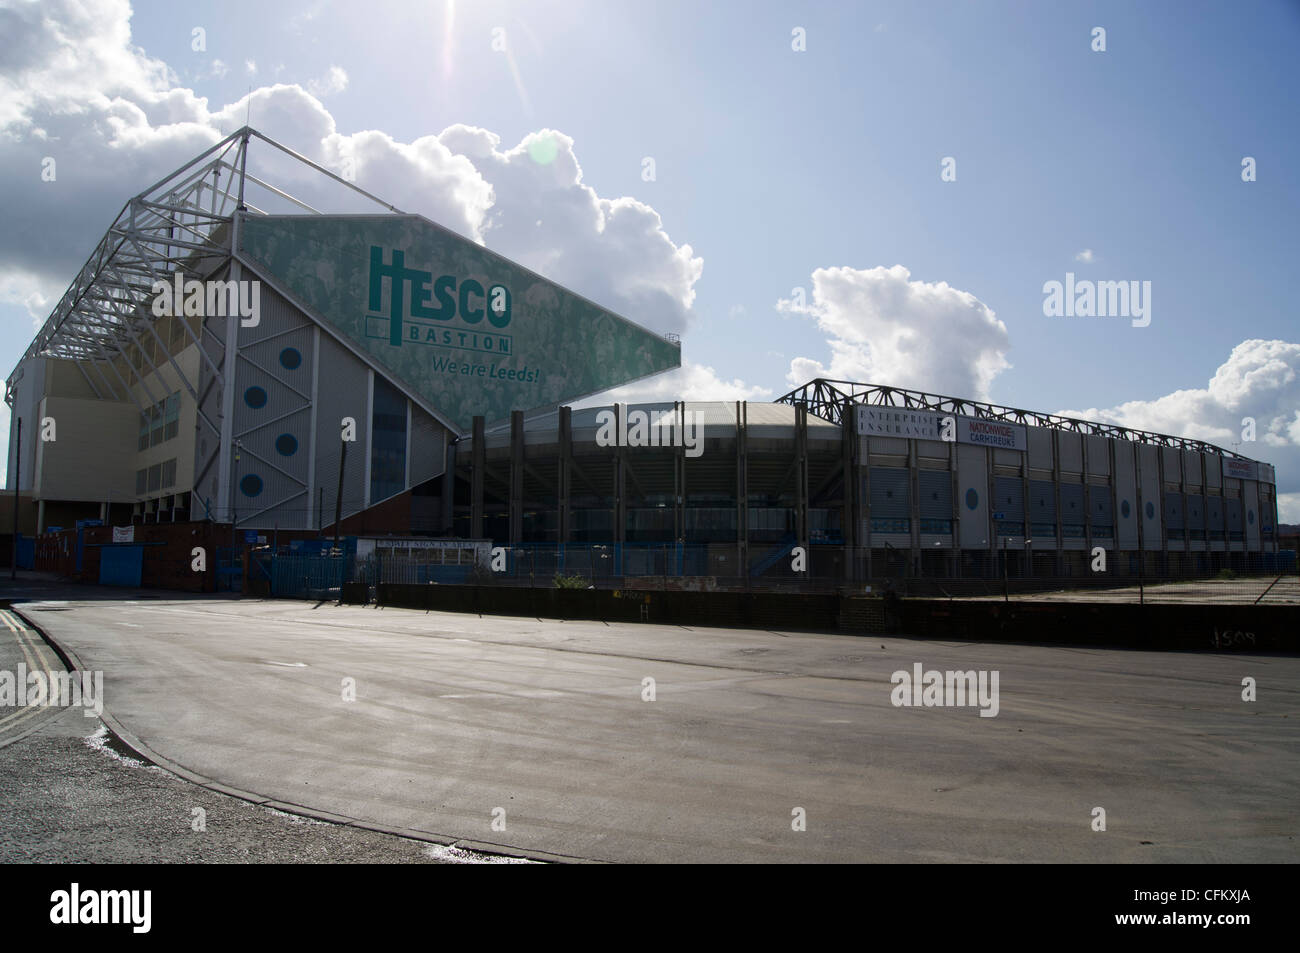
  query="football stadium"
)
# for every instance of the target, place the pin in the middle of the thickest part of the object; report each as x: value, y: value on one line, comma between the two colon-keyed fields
x: 234, y: 367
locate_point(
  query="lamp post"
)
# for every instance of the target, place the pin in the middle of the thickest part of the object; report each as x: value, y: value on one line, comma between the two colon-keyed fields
x: 234, y: 518
x: 1005, y: 595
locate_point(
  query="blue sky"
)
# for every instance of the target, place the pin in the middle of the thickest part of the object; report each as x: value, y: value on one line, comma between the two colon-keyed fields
x: 772, y: 163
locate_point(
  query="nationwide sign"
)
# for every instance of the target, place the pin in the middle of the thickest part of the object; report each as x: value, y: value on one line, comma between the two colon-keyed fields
x: 992, y: 433
x: 929, y: 425
x: 1240, y: 469
x: 468, y: 331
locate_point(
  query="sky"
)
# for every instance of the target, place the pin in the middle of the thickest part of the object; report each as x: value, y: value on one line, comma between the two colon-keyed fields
x: 878, y: 192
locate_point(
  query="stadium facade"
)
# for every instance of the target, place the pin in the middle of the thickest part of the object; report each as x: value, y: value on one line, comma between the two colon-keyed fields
x: 230, y: 353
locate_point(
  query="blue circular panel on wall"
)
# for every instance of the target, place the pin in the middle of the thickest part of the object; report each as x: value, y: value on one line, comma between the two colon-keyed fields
x: 255, y: 397
x: 972, y: 499
x: 290, y: 358
x: 251, y: 485
x: 1125, y: 509
x: 1151, y: 510
x: 1250, y: 517
x: 286, y: 444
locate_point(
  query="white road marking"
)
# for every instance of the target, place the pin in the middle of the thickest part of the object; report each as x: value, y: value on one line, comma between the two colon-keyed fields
x: 31, y: 655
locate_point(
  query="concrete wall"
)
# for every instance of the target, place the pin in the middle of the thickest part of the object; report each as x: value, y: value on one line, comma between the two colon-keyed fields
x: 92, y: 457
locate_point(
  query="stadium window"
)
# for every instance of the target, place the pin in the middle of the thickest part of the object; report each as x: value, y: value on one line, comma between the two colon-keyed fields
x: 144, y: 432
x: 155, y: 478
x: 171, y: 416
x: 156, y: 423
x: 387, y: 442
x: 141, y: 482
x: 169, y: 473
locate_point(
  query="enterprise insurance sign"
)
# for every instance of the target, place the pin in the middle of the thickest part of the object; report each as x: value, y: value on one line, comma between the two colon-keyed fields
x: 928, y: 425
x: 892, y: 422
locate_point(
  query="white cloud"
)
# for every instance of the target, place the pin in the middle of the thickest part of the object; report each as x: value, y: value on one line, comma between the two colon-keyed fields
x: 1084, y: 256
x: 885, y: 328
x: 219, y: 68
x: 1260, y: 379
x: 610, y: 250
x: 689, y: 382
x: 335, y: 80
x: 250, y: 67
x: 73, y: 86
x: 1288, y: 508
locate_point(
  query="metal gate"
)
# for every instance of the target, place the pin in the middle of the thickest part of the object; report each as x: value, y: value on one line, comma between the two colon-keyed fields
x: 121, y: 565
x: 308, y: 576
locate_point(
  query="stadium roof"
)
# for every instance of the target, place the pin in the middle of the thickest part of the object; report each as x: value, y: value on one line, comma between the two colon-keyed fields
x: 827, y: 399
x: 182, y: 219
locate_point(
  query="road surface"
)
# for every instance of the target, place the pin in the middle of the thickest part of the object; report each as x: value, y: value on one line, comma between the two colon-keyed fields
x: 539, y: 735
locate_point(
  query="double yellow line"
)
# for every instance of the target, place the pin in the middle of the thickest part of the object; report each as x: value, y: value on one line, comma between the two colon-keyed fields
x: 32, y: 651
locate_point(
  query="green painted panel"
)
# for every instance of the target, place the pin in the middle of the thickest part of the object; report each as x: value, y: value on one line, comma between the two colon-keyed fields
x: 470, y: 331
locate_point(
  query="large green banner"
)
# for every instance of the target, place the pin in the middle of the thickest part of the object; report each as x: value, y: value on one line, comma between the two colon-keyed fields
x: 469, y: 331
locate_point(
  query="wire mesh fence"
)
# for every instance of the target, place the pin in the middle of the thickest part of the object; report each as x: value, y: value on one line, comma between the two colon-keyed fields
x: 1256, y: 578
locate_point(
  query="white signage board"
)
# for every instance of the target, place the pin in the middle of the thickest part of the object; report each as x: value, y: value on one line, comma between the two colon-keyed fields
x: 1240, y: 469
x: 992, y: 433
x: 929, y: 425
x: 898, y: 422
x: 124, y: 534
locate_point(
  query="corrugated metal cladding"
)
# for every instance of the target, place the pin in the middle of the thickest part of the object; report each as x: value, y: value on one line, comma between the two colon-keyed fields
x: 342, y: 392
x: 1098, y: 454
x: 1192, y: 467
x: 273, y: 414
x: 1214, y: 512
x: 428, y: 447
x: 1072, y: 511
x: 936, y: 494
x: 1174, y: 511
x: 1252, y: 514
x: 888, y: 445
x: 1040, y: 448
x: 1099, y: 505
x: 932, y: 449
x: 1196, y: 512
x: 1234, y: 515
x: 889, y: 492
x: 972, y: 494
x: 1009, y: 498
x: 1042, y: 501
x: 1071, y: 448
x: 1173, y: 459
